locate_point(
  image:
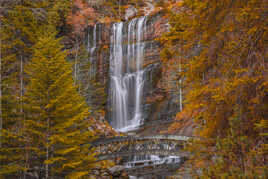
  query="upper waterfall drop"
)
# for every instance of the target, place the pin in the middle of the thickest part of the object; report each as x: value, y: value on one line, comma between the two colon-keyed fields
x: 127, y: 74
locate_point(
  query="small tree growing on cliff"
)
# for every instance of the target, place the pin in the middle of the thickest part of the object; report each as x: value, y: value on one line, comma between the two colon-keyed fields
x: 56, y: 114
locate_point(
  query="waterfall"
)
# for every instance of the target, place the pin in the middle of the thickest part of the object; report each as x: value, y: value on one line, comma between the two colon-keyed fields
x: 127, y: 74
x: 151, y: 160
x: 91, y: 49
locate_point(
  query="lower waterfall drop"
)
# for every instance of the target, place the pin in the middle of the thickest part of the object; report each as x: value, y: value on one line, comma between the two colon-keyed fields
x: 128, y: 84
x: 127, y: 75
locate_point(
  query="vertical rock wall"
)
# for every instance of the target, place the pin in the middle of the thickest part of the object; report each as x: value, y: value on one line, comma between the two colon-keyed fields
x: 159, y: 106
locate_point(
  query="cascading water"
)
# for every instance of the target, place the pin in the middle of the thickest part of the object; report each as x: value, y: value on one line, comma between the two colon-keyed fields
x: 92, y: 49
x: 127, y: 75
x: 127, y: 81
x: 127, y: 85
x: 151, y: 160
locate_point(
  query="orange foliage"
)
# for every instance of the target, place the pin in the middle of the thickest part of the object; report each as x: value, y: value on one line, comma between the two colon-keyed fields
x: 222, y: 49
x: 81, y: 16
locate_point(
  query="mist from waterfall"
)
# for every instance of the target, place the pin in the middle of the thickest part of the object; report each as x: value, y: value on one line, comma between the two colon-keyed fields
x: 127, y: 74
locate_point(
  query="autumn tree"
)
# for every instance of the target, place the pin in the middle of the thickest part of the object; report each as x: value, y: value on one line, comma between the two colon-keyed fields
x: 223, y: 50
x: 21, y: 24
x: 81, y: 16
x: 56, y: 122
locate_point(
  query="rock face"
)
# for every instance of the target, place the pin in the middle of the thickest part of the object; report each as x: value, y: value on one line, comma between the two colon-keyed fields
x: 159, y: 106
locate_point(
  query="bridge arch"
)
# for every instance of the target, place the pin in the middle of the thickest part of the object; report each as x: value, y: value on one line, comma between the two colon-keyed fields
x: 123, y: 146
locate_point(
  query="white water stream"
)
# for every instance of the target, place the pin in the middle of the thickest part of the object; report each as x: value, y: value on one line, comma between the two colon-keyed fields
x: 127, y: 75
x: 127, y: 80
x: 91, y: 49
x: 127, y: 84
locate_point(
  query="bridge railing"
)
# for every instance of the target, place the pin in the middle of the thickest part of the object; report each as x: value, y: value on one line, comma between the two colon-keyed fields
x: 105, y: 141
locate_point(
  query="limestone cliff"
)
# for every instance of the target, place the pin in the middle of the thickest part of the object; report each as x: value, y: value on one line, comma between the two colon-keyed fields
x: 160, y: 107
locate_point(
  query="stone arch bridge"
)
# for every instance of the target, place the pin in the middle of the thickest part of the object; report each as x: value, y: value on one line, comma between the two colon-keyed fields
x: 124, y: 146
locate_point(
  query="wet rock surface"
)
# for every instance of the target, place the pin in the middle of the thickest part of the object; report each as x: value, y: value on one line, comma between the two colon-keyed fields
x: 159, y: 106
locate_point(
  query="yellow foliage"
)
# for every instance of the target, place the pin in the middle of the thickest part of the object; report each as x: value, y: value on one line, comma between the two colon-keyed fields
x: 223, y: 45
x: 77, y: 175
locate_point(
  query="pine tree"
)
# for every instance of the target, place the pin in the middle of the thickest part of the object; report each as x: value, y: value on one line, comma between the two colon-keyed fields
x: 56, y: 121
x: 21, y: 24
x: 19, y: 29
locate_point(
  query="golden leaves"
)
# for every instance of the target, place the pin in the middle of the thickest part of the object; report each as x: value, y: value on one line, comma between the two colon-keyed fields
x: 225, y: 77
x: 77, y: 175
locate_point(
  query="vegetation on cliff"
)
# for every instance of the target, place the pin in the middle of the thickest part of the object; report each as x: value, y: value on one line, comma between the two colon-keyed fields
x: 222, y: 49
x: 215, y: 52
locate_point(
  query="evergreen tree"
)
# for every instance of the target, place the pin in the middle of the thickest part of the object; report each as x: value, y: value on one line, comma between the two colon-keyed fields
x: 21, y: 24
x: 19, y: 29
x: 56, y: 121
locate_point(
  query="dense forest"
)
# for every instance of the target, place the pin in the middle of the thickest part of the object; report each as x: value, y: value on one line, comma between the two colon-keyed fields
x: 204, y: 69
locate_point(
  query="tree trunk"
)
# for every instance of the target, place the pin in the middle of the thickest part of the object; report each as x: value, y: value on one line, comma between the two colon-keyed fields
x: 1, y: 116
x: 47, y: 149
x: 21, y: 85
x: 75, y: 60
x: 119, y: 9
x: 180, y: 84
x: 21, y: 112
